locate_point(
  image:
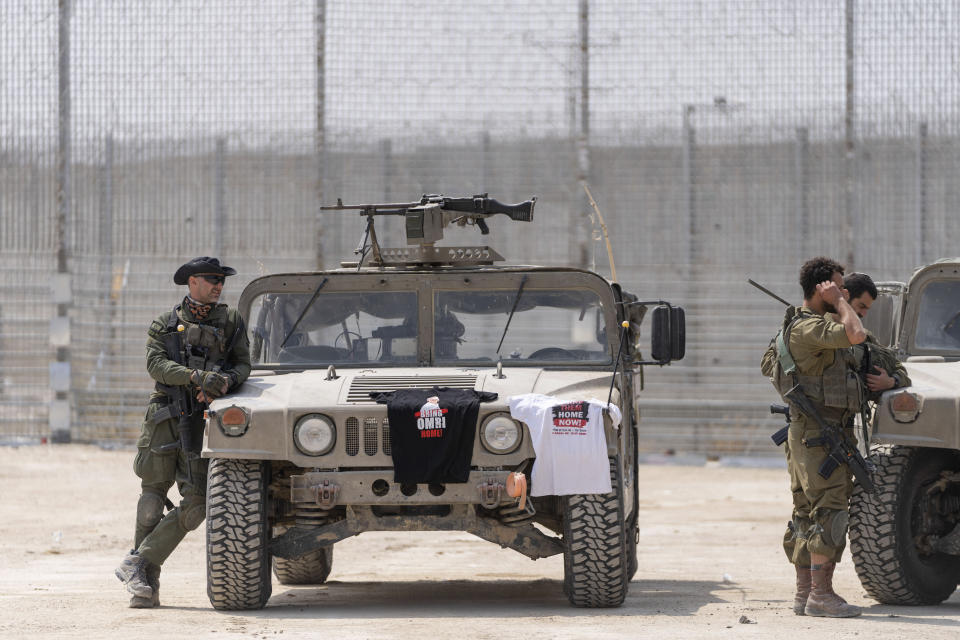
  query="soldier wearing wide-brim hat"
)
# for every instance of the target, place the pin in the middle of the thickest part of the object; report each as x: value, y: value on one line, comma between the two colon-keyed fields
x: 196, y: 352
x: 202, y: 266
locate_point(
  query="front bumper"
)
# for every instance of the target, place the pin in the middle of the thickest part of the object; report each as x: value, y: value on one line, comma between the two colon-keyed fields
x: 328, y: 489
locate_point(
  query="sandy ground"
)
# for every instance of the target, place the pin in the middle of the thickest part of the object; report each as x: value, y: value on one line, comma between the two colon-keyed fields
x: 710, y: 567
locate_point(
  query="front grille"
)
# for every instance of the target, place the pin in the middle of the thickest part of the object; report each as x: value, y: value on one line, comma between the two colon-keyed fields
x: 352, y: 428
x: 386, y: 437
x: 370, y: 433
x: 376, y: 431
x: 362, y: 386
x: 375, y: 436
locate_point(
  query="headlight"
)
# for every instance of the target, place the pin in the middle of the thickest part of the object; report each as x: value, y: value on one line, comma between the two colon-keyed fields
x: 500, y: 433
x: 314, y: 434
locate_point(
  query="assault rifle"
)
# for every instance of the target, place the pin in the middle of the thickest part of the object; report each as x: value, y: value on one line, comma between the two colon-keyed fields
x: 838, y: 449
x: 182, y: 407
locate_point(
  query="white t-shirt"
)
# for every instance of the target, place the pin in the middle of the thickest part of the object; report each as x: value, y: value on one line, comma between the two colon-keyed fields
x: 569, y: 442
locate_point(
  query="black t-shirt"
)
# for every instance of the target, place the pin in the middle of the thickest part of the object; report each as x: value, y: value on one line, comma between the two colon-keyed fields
x: 432, y: 432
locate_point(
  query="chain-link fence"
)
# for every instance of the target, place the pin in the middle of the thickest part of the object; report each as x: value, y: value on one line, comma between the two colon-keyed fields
x: 722, y: 140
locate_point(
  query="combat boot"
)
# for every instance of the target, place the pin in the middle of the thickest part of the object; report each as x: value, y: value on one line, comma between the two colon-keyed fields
x: 803, y: 590
x: 823, y: 602
x: 132, y: 572
x: 830, y: 568
x: 153, y: 579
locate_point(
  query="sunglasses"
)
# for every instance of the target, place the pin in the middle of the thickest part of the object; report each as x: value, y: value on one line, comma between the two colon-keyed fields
x: 214, y: 279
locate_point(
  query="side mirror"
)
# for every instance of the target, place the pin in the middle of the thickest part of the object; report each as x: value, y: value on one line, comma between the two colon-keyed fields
x: 669, y: 334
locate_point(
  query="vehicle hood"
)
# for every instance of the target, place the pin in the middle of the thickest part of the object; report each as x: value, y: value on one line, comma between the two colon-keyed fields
x: 937, y: 386
x: 303, y: 391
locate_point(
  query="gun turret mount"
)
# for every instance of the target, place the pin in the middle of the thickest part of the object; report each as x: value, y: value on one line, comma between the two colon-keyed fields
x: 424, y: 224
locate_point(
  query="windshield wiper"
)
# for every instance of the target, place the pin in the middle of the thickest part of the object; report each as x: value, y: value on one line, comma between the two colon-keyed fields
x: 304, y: 312
x: 523, y: 282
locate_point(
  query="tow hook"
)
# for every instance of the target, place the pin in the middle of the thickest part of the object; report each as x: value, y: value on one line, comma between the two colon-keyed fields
x: 326, y: 494
x: 490, y: 493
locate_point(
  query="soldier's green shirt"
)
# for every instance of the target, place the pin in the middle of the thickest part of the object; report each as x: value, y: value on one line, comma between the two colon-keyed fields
x: 814, y: 340
x: 166, y: 371
x: 885, y: 358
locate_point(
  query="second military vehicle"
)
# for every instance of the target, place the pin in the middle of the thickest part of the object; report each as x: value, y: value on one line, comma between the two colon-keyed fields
x: 905, y: 538
x: 303, y: 456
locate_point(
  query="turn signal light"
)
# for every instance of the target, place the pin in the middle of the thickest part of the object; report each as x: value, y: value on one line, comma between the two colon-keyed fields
x: 234, y: 421
x: 905, y: 406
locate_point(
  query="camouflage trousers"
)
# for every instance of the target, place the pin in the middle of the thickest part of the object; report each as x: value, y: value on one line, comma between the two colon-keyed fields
x: 820, y: 505
x: 158, y: 534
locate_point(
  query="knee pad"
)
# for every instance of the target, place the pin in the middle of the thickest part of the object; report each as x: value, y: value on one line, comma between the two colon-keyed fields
x: 149, y: 509
x: 799, y: 527
x: 834, y: 528
x: 192, y: 512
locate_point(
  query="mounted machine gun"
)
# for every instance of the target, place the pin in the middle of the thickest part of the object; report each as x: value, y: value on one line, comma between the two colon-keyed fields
x: 424, y: 224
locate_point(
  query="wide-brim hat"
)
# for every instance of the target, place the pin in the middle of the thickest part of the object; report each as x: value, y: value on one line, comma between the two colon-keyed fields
x: 204, y: 265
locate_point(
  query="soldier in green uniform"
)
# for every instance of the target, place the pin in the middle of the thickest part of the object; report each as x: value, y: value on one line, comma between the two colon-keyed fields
x: 885, y: 371
x: 815, y: 352
x: 196, y: 352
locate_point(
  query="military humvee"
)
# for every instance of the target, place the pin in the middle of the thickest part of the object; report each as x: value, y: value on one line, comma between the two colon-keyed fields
x: 905, y: 539
x: 301, y: 454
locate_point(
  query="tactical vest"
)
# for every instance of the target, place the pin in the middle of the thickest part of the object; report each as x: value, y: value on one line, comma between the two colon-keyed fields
x: 198, y: 346
x: 838, y: 392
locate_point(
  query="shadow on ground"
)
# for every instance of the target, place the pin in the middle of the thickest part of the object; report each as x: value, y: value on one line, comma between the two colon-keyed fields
x: 938, y: 615
x: 480, y: 599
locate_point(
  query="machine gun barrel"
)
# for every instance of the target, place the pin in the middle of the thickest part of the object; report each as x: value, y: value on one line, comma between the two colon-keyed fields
x: 380, y: 209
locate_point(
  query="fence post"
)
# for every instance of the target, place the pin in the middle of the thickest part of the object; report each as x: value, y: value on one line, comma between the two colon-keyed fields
x: 61, y: 407
x: 848, y: 236
x: 802, y: 186
x: 582, y: 208
x: 386, y: 166
x: 106, y: 217
x: 320, y: 145
x: 105, y: 247
x: 484, y: 160
x: 923, y: 221
x: 219, y: 204
x: 689, y: 182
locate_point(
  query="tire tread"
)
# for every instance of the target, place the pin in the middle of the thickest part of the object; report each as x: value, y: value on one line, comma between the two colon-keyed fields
x: 885, y: 572
x: 238, y: 564
x: 595, y: 562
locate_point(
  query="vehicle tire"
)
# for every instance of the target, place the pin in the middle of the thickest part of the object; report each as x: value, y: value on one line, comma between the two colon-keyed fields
x: 632, y: 562
x: 310, y: 568
x: 238, y: 562
x: 633, y: 531
x: 595, y: 564
x: 883, y: 527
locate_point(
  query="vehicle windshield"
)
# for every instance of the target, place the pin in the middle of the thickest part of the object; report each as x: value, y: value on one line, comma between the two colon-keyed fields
x: 938, y: 320
x: 354, y: 326
x: 536, y: 326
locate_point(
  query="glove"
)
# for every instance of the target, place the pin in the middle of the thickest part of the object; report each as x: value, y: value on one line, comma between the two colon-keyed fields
x: 213, y: 384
